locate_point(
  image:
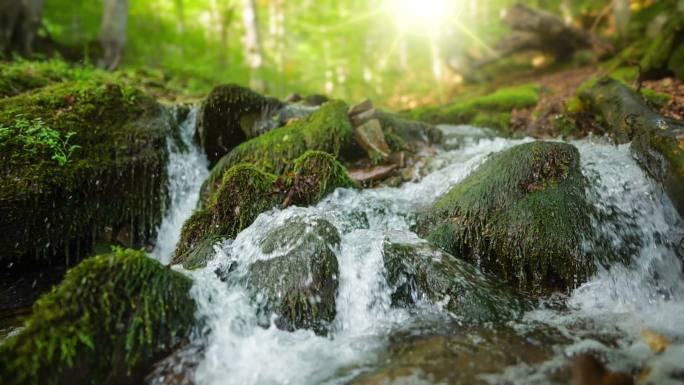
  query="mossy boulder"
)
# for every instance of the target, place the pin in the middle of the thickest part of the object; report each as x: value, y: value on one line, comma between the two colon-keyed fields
x: 491, y: 110
x: 521, y: 215
x: 300, y: 282
x: 424, y: 273
x: 327, y: 129
x: 247, y: 191
x: 75, y: 159
x: 226, y: 118
x: 111, y: 318
x: 317, y: 174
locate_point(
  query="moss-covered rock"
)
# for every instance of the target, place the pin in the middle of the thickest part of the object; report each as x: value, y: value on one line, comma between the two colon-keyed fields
x: 328, y: 129
x: 491, y: 110
x: 75, y: 159
x: 247, y: 191
x: 420, y: 272
x: 317, y: 174
x: 111, y: 318
x: 521, y: 215
x: 300, y: 282
x: 226, y: 117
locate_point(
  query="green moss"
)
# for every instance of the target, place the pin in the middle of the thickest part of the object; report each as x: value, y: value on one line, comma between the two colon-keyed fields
x: 317, y: 174
x: 117, y: 176
x: 491, y: 109
x: 245, y: 192
x: 522, y: 215
x: 22, y: 75
x: 110, y: 319
x: 328, y: 129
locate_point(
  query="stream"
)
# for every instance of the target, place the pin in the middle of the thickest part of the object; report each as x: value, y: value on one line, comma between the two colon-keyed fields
x: 606, y: 315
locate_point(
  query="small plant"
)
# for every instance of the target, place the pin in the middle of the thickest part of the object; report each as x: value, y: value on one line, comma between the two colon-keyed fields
x: 34, y: 135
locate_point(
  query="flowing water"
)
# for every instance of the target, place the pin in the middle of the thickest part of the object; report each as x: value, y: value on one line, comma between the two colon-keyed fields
x: 618, y: 303
x: 187, y: 169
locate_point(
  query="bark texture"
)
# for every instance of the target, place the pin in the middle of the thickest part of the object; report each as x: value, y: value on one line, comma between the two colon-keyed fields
x: 657, y: 141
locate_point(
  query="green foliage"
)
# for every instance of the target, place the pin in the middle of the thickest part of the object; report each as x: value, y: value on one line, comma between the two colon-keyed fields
x: 22, y: 75
x: 111, y: 318
x: 34, y: 136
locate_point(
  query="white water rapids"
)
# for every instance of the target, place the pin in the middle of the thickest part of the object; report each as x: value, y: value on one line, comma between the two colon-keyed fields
x: 621, y: 301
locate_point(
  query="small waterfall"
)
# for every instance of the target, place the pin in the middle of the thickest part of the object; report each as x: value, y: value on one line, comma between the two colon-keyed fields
x: 616, y: 304
x: 237, y: 351
x: 186, y: 170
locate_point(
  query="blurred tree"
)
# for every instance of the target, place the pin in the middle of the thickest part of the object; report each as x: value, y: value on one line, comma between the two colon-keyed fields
x: 113, y: 32
x: 252, y: 44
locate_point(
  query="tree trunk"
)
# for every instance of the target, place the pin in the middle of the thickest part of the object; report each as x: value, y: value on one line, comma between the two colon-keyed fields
x: 621, y: 13
x: 19, y: 24
x: 657, y: 141
x: 252, y: 44
x: 113, y: 32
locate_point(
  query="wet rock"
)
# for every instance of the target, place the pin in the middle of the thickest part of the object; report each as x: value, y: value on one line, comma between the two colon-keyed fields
x: 226, y: 117
x: 371, y: 138
x: 110, y: 319
x: 356, y: 109
x: 300, y: 282
x: 522, y: 215
x: 57, y: 194
x: 460, y: 356
x: 327, y: 129
x: 586, y: 369
x: 375, y: 173
x: 423, y: 273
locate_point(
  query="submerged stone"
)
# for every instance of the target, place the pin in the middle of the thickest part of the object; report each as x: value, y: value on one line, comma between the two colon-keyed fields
x: 111, y: 318
x: 327, y: 129
x: 423, y: 273
x: 226, y: 117
x: 458, y: 355
x: 521, y: 215
x: 78, y: 160
x: 300, y: 282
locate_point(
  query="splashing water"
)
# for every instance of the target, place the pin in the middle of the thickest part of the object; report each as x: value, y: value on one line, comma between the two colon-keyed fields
x: 186, y: 170
x: 618, y: 302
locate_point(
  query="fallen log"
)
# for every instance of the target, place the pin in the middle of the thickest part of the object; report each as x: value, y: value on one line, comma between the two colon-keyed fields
x: 537, y: 30
x: 657, y: 141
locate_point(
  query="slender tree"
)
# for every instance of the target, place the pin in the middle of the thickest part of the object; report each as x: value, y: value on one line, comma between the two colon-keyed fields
x: 252, y: 44
x: 113, y: 32
x: 19, y: 24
